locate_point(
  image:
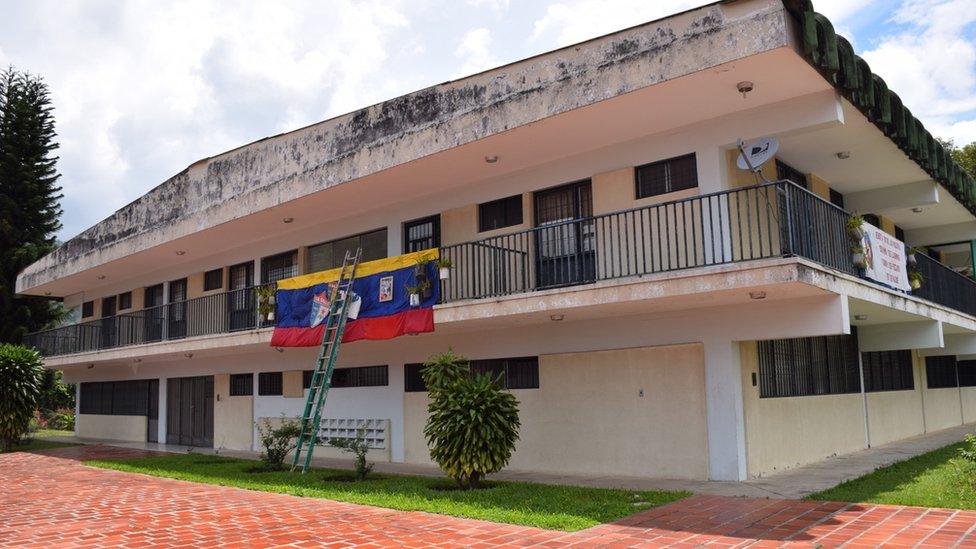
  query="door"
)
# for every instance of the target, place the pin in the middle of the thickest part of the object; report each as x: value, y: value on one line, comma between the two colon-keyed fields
x: 189, y: 411
x: 240, y: 301
x: 153, y: 313
x: 422, y: 234
x: 564, y: 237
x: 176, y: 310
x: 110, y: 332
x: 152, y: 414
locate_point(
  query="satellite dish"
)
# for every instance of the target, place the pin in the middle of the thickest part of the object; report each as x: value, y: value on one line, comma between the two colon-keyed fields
x: 755, y: 154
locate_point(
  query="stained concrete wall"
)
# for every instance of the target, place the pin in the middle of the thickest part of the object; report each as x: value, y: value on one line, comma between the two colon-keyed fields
x: 233, y: 416
x: 110, y: 427
x: 606, y: 412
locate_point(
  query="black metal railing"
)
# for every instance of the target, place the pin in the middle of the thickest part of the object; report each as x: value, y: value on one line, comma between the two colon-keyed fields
x: 766, y: 221
x: 213, y: 314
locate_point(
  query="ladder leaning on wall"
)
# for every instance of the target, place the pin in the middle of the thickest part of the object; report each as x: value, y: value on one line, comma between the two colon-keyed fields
x: 335, y: 326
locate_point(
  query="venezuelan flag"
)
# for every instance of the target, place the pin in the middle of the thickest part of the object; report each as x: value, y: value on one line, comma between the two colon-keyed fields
x: 384, y: 311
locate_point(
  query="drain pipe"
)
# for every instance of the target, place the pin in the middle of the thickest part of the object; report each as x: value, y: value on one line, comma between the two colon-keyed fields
x: 864, y: 400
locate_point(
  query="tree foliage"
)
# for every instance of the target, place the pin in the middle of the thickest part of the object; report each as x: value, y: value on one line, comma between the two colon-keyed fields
x: 473, y: 423
x: 20, y: 386
x: 965, y: 156
x: 29, y: 195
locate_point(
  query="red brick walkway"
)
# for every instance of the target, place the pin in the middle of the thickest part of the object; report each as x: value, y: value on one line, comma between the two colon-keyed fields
x: 52, y: 500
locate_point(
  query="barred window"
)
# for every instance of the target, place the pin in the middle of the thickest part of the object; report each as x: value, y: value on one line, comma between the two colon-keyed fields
x: 329, y: 255
x: 825, y: 365
x: 213, y: 280
x: 513, y: 373
x: 888, y: 371
x: 500, y: 213
x: 125, y: 301
x: 241, y: 384
x: 940, y: 372
x: 87, y: 309
x: 967, y: 373
x: 666, y: 176
x: 269, y: 383
x: 361, y: 376
x: 120, y: 398
x: 277, y: 267
x: 785, y: 171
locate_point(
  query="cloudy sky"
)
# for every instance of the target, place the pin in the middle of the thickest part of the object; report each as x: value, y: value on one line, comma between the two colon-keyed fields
x: 142, y: 89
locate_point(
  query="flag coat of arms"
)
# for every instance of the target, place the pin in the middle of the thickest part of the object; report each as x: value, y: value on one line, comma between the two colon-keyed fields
x: 379, y: 307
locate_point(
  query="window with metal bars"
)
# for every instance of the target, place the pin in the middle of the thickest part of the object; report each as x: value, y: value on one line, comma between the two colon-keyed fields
x: 888, y: 371
x: 940, y: 372
x: 329, y: 255
x: 119, y: 398
x: 666, y: 176
x: 836, y: 198
x: 967, y: 372
x: 241, y: 384
x: 785, y: 171
x: 422, y: 234
x: 269, y: 383
x: 213, y: 280
x: 825, y: 365
x: 277, y: 267
x: 87, y: 309
x: 360, y: 376
x: 513, y: 373
x: 500, y: 213
x: 125, y: 301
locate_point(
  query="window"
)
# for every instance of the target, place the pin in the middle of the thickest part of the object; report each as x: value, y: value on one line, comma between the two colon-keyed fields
x: 809, y: 366
x: 87, y: 309
x: 241, y: 384
x: 120, y: 398
x: 329, y: 255
x: 213, y: 280
x: 500, y: 213
x: 153, y: 296
x: 967, y: 373
x: 873, y: 219
x: 899, y: 233
x: 269, y: 383
x: 422, y: 234
x: 125, y: 301
x: 667, y: 176
x: 362, y: 376
x: 785, y: 171
x: 888, y: 371
x: 514, y: 373
x: 836, y: 198
x: 940, y: 372
x: 177, y: 290
x: 277, y: 267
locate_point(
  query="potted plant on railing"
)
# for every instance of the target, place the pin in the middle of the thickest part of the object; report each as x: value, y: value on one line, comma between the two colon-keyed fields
x: 266, y: 301
x: 915, y: 277
x: 444, y: 265
x: 855, y: 230
x: 420, y: 274
x: 413, y: 290
x: 857, y: 256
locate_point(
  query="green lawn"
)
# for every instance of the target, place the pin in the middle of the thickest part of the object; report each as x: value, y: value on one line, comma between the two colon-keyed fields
x: 39, y: 444
x: 547, y: 506
x: 936, y: 479
x: 43, y: 433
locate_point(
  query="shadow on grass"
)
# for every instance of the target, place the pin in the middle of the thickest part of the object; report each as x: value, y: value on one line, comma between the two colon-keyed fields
x: 936, y: 479
x: 547, y: 506
x: 36, y: 444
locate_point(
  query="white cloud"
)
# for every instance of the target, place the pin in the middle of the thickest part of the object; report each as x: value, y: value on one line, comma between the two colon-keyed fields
x: 568, y: 22
x: 931, y: 64
x: 474, y: 51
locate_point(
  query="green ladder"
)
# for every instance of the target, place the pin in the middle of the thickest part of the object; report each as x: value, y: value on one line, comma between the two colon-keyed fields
x: 335, y: 326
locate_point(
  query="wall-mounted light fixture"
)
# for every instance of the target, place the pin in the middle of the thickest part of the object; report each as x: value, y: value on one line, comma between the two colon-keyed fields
x: 288, y: 220
x: 556, y: 317
x: 491, y: 159
x: 757, y: 295
x: 180, y: 252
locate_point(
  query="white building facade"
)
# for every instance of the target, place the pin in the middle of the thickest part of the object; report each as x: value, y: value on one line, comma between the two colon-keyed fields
x: 657, y: 311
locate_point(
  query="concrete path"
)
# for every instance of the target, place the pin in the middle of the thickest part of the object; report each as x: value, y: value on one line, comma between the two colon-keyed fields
x: 792, y: 483
x: 49, y: 499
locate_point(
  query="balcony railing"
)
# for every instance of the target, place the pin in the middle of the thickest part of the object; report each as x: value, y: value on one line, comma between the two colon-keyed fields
x: 220, y: 313
x: 766, y: 221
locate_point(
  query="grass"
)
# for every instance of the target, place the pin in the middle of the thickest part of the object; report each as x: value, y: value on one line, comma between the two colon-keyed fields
x: 42, y: 433
x: 937, y: 479
x: 554, y: 507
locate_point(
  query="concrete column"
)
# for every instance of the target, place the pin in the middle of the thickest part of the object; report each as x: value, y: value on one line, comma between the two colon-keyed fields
x: 161, y: 421
x: 723, y: 406
x: 394, y: 239
x: 77, y: 404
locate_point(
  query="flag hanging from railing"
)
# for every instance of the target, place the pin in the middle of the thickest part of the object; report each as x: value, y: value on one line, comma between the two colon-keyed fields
x: 381, y: 308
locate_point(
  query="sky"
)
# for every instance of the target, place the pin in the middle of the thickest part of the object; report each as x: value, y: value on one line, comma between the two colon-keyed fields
x: 142, y: 89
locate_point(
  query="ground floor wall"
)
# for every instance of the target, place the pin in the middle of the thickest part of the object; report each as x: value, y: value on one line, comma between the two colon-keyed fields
x: 111, y: 427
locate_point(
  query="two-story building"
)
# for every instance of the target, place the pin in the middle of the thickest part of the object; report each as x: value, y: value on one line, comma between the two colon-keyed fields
x: 657, y: 311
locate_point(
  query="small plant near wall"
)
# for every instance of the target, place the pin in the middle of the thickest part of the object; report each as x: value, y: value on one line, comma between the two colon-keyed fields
x: 444, y: 265
x: 358, y: 447
x: 473, y: 422
x: 277, y: 440
x: 266, y: 301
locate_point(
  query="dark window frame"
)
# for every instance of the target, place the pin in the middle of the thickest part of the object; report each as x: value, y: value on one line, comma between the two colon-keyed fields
x: 888, y: 371
x: 270, y: 384
x: 514, y: 373
x: 88, y: 309
x: 837, y: 198
x: 241, y: 385
x: 354, y: 377
x: 131, y: 397
x: 272, y: 272
x: 786, y: 172
x: 125, y: 301
x: 337, y: 262
x: 435, y: 237
x: 811, y: 366
x: 501, y: 213
x: 941, y: 372
x: 213, y: 280
x: 666, y: 176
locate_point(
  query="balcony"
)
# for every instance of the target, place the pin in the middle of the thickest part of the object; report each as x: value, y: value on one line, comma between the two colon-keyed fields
x: 766, y: 221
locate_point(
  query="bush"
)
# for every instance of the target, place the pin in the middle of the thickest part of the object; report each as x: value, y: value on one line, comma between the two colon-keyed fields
x: 277, y: 441
x: 20, y: 386
x: 968, y: 450
x: 358, y: 447
x: 473, y: 423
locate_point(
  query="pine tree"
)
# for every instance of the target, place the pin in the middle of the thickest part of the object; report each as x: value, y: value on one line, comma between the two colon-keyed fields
x: 29, y: 198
